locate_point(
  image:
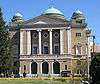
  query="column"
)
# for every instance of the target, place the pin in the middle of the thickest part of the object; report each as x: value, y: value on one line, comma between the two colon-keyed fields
x: 50, y: 32
x: 69, y: 40
x: 39, y: 41
x: 28, y: 42
x: 20, y: 70
x: 61, y: 41
x: 39, y: 72
x: 50, y: 67
x: 21, y: 42
x: 30, y: 68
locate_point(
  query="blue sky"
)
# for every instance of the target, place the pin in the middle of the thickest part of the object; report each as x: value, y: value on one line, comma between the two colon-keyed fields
x: 32, y: 8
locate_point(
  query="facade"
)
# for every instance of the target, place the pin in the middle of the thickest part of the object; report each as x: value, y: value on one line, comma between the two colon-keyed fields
x: 48, y: 44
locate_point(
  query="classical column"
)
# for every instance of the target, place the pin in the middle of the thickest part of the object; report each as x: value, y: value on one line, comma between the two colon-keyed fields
x: 21, y: 42
x: 50, y: 67
x: 39, y: 72
x: 61, y: 41
x: 28, y: 42
x: 20, y: 70
x: 50, y: 32
x: 69, y: 40
x: 39, y: 41
x: 30, y: 68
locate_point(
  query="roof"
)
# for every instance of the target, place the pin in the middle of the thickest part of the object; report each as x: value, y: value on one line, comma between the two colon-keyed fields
x: 78, y: 12
x: 19, y: 15
x: 53, y: 11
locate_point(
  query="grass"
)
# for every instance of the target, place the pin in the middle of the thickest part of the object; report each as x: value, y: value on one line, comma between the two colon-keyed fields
x: 32, y: 82
x: 66, y: 80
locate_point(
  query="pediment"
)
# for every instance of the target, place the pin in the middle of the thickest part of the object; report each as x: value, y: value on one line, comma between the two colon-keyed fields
x: 44, y: 20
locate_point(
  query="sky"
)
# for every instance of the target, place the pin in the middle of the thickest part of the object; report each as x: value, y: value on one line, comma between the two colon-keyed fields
x: 33, y: 8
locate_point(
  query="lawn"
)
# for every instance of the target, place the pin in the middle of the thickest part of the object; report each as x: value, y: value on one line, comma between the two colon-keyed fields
x: 35, y: 82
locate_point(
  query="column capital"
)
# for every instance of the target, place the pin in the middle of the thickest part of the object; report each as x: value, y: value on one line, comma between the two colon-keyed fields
x: 39, y: 30
x: 68, y: 28
x: 50, y: 30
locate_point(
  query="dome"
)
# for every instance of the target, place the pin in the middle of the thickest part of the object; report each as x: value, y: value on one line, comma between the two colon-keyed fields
x: 18, y: 14
x: 78, y: 12
x: 53, y: 11
x: 17, y: 18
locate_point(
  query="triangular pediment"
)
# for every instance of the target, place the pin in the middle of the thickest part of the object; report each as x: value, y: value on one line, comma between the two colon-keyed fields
x: 44, y: 20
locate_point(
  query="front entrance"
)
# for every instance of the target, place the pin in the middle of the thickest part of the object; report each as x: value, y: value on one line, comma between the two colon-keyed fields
x: 56, y: 67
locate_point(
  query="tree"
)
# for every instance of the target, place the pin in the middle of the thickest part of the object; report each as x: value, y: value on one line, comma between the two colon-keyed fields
x: 5, y: 56
x: 80, y: 68
x: 95, y: 69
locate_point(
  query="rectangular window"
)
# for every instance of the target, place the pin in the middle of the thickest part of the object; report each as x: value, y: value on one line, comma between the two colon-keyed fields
x: 35, y: 50
x: 56, y: 50
x: 65, y: 67
x: 78, y: 50
x: 79, y: 21
x: 78, y: 34
x: 45, y: 49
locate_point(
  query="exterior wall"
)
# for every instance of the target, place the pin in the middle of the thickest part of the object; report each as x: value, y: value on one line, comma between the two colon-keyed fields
x: 76, y: 40
x: 27, y: 64
x: 39, y: 66
x: 26, y: 57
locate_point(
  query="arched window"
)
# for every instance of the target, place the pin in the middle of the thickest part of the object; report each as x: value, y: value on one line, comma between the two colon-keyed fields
x: 24, y: 68
x: 34, y: 68
x: 56, y: 67
x: 45, y: 68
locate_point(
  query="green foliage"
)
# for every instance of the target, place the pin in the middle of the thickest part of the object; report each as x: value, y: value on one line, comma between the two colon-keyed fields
x: 95, y: 69
x: 80, y: 68
x: 5, y: 57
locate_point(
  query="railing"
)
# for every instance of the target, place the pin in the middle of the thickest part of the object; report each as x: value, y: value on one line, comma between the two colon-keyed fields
x: 48, y: 56
x: 45, y: 56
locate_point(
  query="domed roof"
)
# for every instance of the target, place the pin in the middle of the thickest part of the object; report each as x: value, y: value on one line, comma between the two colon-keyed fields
x: 19, y: 15
x: 52, y: 10
x: 78, y: 12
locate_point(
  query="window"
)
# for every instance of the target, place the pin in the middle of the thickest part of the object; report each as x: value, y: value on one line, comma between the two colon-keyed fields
x: 35, y: 50
x: 56, y: 35
x: 45, y: 35
x: 65, y: 67
x: 24, y: 67
x: 56, y: 50
x: 78, y: 49
x: 45, y: 49
x: 78, y: 34
x: 79, y: 21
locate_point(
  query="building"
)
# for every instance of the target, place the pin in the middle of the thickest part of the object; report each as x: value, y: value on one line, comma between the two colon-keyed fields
x: 48, y: 44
